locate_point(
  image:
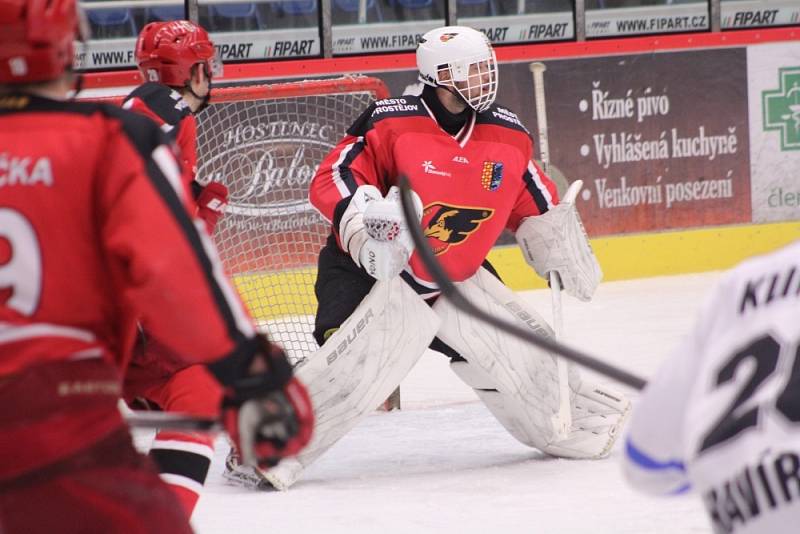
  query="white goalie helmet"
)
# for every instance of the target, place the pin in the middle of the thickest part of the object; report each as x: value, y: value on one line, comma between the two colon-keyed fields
x: 461, y: 58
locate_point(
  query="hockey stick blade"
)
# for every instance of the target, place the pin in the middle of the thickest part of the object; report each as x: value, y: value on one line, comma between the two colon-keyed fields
x: 171, y: 421
x: 450, y: 292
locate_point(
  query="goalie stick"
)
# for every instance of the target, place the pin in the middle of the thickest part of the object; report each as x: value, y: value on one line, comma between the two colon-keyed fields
x: 450, y: 292
x: 564, y: 412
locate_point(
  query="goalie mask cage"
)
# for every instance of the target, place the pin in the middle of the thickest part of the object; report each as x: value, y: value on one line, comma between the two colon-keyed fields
x: 265, y: 142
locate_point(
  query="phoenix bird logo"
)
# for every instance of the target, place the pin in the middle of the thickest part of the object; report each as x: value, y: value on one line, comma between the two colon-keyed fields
x: 451, y: 225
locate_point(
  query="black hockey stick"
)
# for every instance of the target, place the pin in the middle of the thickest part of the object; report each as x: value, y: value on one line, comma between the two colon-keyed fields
x: 450, y: 292
x: 171, y: 421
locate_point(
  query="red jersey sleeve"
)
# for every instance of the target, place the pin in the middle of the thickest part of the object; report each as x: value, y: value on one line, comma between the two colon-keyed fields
x: 538, y: 194
x: 90, y: 244
x: 187, y: 145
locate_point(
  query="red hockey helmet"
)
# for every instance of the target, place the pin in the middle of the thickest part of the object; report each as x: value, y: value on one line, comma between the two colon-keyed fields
x: 167, y: 51
x: 36, y: 39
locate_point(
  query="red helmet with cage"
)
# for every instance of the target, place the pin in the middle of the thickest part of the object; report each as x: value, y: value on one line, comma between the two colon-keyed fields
x: 167, y: 51
x: 36, y: 39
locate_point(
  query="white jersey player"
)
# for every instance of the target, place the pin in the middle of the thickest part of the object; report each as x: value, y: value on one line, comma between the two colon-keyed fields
x: 722, y: 414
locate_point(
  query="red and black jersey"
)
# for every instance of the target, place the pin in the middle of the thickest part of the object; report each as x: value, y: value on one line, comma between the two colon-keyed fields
x: 95, y: 233
x: 472, y: 184
x: 170, y: 111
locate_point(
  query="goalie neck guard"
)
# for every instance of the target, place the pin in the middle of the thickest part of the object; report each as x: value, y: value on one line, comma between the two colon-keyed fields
x: 463, y: 59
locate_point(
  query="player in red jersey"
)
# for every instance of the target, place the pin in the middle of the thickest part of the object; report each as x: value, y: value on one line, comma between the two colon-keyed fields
x: 470, y: 163
x: 178, y: 60
x: 96, y: 232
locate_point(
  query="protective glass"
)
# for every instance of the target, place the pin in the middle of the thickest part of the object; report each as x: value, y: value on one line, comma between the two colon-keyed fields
x: 204, y: 49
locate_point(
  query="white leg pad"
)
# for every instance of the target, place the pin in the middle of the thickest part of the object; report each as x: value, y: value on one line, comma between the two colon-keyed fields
x: 359, y: 366
x: 519, y: 371
x: 504, y: 409
x: 526, y: 400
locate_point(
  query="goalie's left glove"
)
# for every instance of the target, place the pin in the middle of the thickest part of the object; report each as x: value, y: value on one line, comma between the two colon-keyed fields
x: 556, y: 241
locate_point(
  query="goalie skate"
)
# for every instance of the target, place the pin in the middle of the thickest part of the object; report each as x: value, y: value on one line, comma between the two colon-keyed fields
x: 244, y: 475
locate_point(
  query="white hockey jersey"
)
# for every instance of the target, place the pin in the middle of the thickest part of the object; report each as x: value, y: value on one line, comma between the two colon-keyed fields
x: 723, y: 414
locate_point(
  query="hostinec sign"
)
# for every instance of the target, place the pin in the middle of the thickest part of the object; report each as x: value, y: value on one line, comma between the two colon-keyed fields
x: 267, y: 166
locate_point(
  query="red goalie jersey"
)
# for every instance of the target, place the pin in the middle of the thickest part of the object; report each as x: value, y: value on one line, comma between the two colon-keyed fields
x: 87, y: 247
x: 472, y: 185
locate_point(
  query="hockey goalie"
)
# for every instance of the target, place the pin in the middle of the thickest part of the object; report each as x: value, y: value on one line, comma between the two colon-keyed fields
x: 470, y: 162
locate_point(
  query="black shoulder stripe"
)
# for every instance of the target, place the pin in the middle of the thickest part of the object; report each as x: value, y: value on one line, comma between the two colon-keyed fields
x: 535, y: 191
x: 344, y: 167
x: 362, y: 124
x: 500, y: 116
x: 404, y: 106
x: 162, y: 100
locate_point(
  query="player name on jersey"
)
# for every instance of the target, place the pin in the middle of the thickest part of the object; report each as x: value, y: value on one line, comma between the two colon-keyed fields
x: 754, y: 491
x: 28, y: 171
x: 763, y: 290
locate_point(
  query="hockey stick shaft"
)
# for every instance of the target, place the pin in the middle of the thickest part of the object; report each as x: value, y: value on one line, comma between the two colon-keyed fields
x: 171, y: 421
x: 537, y: 69
x: 564, y: 411
x: 450, y: 292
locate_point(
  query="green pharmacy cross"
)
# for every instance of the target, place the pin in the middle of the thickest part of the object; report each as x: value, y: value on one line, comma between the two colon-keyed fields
x: 782, y: 108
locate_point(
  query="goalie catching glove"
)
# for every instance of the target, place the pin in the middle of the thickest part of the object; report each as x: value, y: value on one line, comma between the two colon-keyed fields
x: 266, y: 411
x: 374, y: 232
x: 556, y: 241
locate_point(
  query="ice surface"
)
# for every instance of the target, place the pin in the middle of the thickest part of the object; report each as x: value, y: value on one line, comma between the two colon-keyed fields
x: 444, y: 465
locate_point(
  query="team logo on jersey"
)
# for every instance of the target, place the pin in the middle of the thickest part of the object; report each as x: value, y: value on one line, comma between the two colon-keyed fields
x: 492, y: 175
x: 446, y: 37
x: 451, y: 225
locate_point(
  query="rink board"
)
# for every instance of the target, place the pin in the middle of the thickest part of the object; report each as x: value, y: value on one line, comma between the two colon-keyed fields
x: 621, y: 257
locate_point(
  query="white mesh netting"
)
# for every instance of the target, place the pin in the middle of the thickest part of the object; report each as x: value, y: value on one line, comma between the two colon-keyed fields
x: 265, y: 143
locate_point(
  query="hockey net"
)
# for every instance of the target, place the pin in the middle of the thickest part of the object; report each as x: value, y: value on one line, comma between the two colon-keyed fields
x: 265, y: 142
